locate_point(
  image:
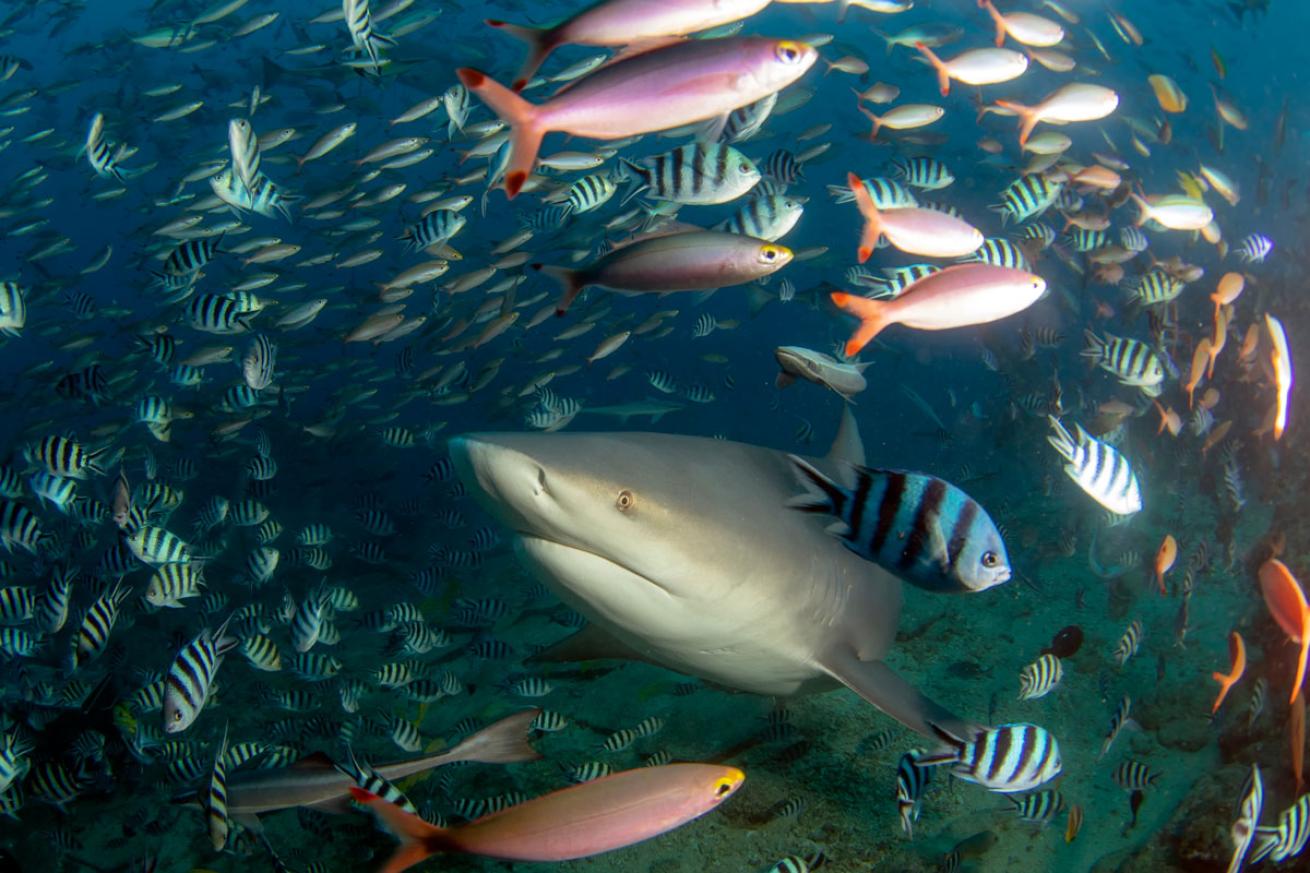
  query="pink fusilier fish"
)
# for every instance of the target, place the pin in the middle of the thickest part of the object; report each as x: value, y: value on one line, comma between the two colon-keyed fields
x: 984, y: 66
x: 609, y: 813
x: 1024, y: 27
x: 697, y: 260
x: 955, y: 296
x: 612, y: 23
x: 1078, y: 101
x: 912, y: 230
x: 669, y: 87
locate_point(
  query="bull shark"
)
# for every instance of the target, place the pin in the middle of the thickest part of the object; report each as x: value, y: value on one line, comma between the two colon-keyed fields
x: 681, y: 551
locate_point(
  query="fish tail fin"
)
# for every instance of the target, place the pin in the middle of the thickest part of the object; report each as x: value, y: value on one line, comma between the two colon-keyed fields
x: 504, y: 742
x: 1095, y: 346
x: 872, y: 231
x: 541, y: 42
x: 418, y: 839
x: 1144, y: 209
x: 877, y: 121
x: 996, y: 16
x: 873, y: 318
x: 1301, y: 657
x: 943, y: 76
x: 571, y: 283
x: 1027, y: 118
x: 519, y: 114
x: 822, y: 495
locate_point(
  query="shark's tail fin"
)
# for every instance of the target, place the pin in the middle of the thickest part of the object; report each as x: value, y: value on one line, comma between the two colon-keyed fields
x: 504, y: 742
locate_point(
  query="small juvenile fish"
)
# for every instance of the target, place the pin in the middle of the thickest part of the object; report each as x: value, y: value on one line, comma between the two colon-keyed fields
x: 1040, y: 677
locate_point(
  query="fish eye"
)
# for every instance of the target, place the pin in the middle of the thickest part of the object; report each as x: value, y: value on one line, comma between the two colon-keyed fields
x: 788, y: 52
x: 722, y: 788
x: 746, y: 167
x: 177, y: 715
x: 990, y: 559
x: 625, y: 500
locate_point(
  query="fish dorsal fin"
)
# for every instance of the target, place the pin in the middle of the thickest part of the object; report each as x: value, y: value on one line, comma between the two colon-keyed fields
x: 315, y: 761
x: 848, y: 447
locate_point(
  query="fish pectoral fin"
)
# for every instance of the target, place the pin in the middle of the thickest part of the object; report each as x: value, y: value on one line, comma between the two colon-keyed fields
x: 589, y: 644
x: 712, y: 130
x: 884, y: 688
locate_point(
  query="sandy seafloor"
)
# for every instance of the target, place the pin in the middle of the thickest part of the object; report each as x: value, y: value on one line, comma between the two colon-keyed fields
x: 966, y: 652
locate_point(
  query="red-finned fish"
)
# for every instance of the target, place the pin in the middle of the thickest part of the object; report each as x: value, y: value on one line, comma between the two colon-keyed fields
x: 609, y: 813
x: 625, y: 23
x: 680, y: 84
x: 686, y: 261
x: 1165, y: 557
x: 1079, y: 101
x: 955, y: 296
x: 1237, y: 654
x: 1286, y: 602
x: 912, y: 230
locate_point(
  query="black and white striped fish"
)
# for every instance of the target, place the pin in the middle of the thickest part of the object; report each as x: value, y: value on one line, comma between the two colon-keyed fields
x: 1006, y: 758
x: 1132, y: 775
x: 919, y: 527
x: 1040, y: 806
x: 1098, y: 469
x: 782, y: 166
x: 769, y: 217
x: 218, y: 313
x: 97, y: 624
x: 744, y: 123
x: 374, y: 782
x: 259, y: 363
x: 1255, y: 248
x: 244, y: 148
x: 999, y: 252
x: 191, y: 256
x: 911, y: 780
x: 216, y: 799
x: 65, y: 457
x: 1118, y: 722
x: 1288, y: 838
x: 885, y: 193
x: 695, y: 174
x: 1128, y: 643
x: 1156, y: 288
x: 1040, y: 677
x: 191, y: 676
x: 924, y: 173
x: 1248, y: 818
x: 589, y: 193
x: 1134, y: 362
x: 434, y: 229
x: 359, y: 23
x: 1028, y: 197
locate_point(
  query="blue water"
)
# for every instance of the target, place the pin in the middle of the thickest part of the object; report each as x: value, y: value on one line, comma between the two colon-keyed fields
x: 982, y: 433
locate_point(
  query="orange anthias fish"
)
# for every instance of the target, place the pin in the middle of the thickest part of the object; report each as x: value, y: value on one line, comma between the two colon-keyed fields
x: 1164, y: 559
x: 1169, y: 420
x: 1237, y: 653
x: 1230, y: 288
x: 609, y: 813
x: 1218, y: 340
x: 1200, y: 359
x: 1286, y: 602
x: 1075, y: 823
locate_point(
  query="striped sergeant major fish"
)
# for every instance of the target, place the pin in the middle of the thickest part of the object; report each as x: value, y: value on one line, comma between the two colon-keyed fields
x: 782, y: 167
x: 363, y: 775
x: 1098, y: 469
x: 434, y: 229
x: 13, y: 308
x: 1128, y: 643
x: 1134, y: 362
x: 911, y: 780
x: 1027, y: 197
x: 1288, y: 838
x: 1006, y: 758
x: 1040, y: 806
x: 155, y: 545
x: 695, y: 174
x: 769, y: 217
x: 261, y: 196
x: 97, y: 623
x: 798, y: 864
x: 885, y: 193
x: 244, y: 146
x: 918, y: 527
x: 589, y: 193
x: 1040, y: 677
x: 1133, y: 775
x: 191, y: 256
x: 924, y: 173
x: 216, y: 799
x: 744, y: 123
x: 218, y: 313
x: 259, y: 362
x: 999, y: 252
x: 1255, y: 248
x: 359, y: 22
x: 1248, y: 817
x: 1118, y: 722
x: 65, y: 457
x: 191, y: 676
x: 100, y: 153
x: 1156, y: 288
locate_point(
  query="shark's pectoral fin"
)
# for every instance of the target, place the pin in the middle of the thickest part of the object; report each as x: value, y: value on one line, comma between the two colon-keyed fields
x: 880, y: 685
x: 589, y: 644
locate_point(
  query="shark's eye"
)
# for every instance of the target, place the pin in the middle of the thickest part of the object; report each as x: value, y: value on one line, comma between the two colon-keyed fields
x: 624, y: 501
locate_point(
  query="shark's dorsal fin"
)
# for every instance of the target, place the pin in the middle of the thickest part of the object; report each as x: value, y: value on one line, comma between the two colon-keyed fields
x: 848, y: 448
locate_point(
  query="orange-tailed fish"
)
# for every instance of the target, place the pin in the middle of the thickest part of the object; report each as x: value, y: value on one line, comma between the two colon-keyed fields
x: 1281, y: 359
x: 1237, y: 657
x: 1165, y: 557
x: 1286, y: 602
